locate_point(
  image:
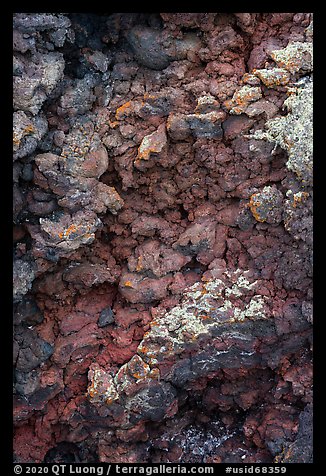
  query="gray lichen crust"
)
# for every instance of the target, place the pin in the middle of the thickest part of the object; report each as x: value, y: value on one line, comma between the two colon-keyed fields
x: 206, y: 311
x: 205, y: 308
x: 294, y: 131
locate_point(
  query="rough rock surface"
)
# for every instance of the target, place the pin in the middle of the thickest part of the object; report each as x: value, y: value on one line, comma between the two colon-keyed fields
x: 162, y: 237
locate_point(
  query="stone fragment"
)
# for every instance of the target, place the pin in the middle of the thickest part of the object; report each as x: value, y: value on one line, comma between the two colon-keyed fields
x: 23, y: 277
x: 152, y: 144
x: 32, y: 88
x: 206, y: 104
x: 296, y: 57
x: 262, y: 106
x: 300, y: 450
x: 78, y: 97
x: 33, y: 350
x: 298, y: 217
x: 76, y: 346
x: 148, y: 50
x: 101, y: 387
x: 136, y: 288
x: 156, y: 258
x: 294, y: 131
x: 242, y: 98
x: 272, y: 77
x: 59, y: 235
x: 266, y: 206
x: 207, y: 125
x: 31, y: 22
x: 28, y: 311
x: 28, y: 131
x: 153, y: 49
x: 89, y: 274
x: 106, y: 317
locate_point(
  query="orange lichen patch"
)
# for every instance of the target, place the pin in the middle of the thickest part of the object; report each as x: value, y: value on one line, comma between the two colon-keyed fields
x: 70, y: 230
x: 122, y: 111
x: 144, y: 154
x: 204, y: 316
x: 148, y: 96
x: 18, y: 137
x: 139, y: 266
x: 291, y: 64
x: 254, y: 204
x: 113, y: 124
x: 29, y: 129
x: 137, y: 375
x: 154, y: 374
x: 145, y: 150
x: 67, y: 232
x: 272, y: 77
x: 242, y: 98
x: 249, y: 78
x: 146, y: 334
x: 92, y: 391
x: 284, y: 456
x: 295, y: 57
x: 289, y: 143
x: 137, y: 368
x: 128, y: 284
x: 299, y: 198
x: 169, y: 121
x: 145, y: 350
x: 110, y: 400
x: 16, y: 140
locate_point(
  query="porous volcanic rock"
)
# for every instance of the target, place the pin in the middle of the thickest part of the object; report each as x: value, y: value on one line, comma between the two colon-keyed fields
x: 163, y: 192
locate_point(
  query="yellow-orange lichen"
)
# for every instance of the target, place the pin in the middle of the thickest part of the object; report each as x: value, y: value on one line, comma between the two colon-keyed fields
x: 139, y: 266
x: 29, y: 129
x: 299, y: 198
x: 128, y: 284
x: 16, y: 140
x: 122, y: 110
x: 254, y: 204
x: 113, y: 124
x: 204, y: 316
x: 68, y: 231
x: 149, y: 96
x: 154, y: 373
x: 109, y: 400
x: 144, y: 154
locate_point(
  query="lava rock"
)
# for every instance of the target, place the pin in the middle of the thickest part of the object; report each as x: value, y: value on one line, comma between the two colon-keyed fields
x: 106, y: 317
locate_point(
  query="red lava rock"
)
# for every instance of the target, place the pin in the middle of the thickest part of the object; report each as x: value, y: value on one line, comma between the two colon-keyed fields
x: 162, y: 238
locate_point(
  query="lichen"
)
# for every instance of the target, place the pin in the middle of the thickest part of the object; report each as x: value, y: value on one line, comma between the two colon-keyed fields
x: 272, y: 77
x: 294, y: 131
x: 224, y: 301
x: 242, y: 98
x: 295, y: 57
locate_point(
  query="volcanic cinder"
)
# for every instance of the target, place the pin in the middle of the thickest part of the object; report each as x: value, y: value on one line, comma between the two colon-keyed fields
x: 162, y: 237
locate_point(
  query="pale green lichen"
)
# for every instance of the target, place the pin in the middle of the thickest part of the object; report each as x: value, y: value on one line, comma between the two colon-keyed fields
x: 242, y: 98
x: 295, y: 57
x: 272, y: 77
x: 294, y: 132
x: 102, y: 387
x: 204, y: 307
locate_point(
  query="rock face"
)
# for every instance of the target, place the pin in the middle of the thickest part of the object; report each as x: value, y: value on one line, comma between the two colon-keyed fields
x: 163, y: 237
